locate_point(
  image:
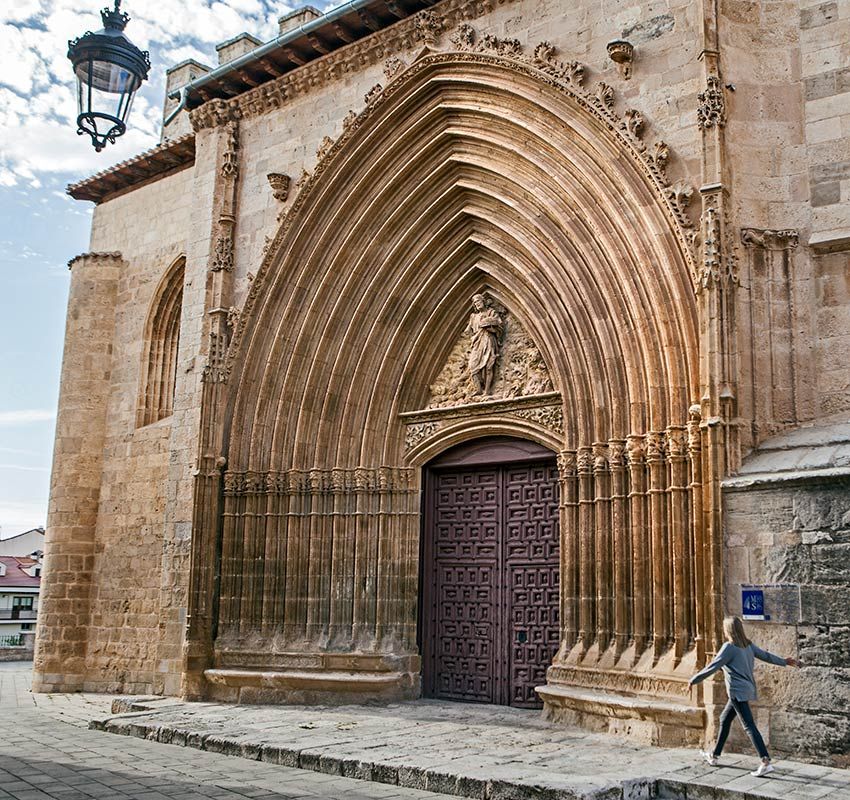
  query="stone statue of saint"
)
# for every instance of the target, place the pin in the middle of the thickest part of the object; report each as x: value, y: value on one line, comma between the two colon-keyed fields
x: 485, y: 326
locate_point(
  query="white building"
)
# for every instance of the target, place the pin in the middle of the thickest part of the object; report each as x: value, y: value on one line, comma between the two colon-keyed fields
x: 23, y: 544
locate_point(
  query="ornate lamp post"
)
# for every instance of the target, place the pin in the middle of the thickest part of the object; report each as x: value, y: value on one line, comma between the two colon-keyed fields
x: 109, y: 70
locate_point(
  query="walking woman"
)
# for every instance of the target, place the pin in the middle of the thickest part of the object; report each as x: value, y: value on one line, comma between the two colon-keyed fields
x: 736, y: 659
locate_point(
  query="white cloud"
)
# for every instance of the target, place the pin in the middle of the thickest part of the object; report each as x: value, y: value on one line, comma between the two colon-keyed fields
x: 18, y: 451
x: 19, y: 11
x: 24, y: 416
x: 24, y: 468
x: 183, y: 53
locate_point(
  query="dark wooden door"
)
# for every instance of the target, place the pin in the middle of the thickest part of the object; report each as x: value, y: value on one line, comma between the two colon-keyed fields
x: 490, y: 581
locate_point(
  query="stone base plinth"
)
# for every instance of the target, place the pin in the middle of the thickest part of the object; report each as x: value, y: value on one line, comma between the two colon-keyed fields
x: 309, y: 687
x: 46, y: 683
x: 665, y: 722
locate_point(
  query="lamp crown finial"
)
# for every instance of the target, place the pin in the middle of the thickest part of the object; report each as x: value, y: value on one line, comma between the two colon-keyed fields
x: 116, y: 19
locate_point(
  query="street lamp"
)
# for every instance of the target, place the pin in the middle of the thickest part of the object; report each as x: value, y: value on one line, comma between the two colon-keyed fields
x: 109, y: 70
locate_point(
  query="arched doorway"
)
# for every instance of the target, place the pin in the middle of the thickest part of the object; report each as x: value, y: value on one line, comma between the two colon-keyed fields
x: 472, y: 173
x: 489, y: 618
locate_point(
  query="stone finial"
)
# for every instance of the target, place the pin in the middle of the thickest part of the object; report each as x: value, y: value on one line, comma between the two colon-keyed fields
x: 622, y: 53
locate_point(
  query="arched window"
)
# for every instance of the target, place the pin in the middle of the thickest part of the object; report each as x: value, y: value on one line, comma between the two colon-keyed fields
x: 159, y: 354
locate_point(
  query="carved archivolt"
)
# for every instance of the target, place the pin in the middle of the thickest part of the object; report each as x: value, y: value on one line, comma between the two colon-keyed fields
x: 566, y: 76
x: 506, y: 173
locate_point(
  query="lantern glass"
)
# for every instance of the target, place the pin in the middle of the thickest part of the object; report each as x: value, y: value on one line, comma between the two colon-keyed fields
x: 105, y: 93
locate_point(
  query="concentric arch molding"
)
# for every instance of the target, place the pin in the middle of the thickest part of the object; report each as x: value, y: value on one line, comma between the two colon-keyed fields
x: 542, y: 65
x: 541, y: 410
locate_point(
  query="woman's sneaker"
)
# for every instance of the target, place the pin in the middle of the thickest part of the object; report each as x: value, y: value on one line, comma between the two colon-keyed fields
x: 763, y: 770
x: 710, y: 758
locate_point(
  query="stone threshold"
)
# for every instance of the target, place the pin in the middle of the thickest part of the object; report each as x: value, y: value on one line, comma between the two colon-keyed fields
x: 486, y: 753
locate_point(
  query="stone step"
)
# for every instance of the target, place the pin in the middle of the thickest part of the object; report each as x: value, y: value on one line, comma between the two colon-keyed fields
x: 488, y: 753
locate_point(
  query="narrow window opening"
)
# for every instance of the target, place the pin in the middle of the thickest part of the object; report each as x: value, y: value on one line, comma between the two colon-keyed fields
x: 159, y: 356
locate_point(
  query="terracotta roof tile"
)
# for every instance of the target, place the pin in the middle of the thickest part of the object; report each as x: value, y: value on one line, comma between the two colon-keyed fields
x: 171, y: 154
x: 15, y: 575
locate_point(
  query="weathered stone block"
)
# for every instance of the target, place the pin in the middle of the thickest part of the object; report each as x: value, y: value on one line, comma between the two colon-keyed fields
x: 824, y: 645
x: 826, y: 733
x: 825, y: 605
x: 823, y: 14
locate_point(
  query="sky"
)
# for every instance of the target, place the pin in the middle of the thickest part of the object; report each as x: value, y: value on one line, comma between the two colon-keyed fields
x: 41, y: 228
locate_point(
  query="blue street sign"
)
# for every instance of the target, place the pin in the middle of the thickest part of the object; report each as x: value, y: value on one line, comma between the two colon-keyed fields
x: 752, y: 604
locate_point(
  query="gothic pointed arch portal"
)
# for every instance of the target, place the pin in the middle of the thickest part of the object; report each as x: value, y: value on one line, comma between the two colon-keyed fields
x: 476, y: 169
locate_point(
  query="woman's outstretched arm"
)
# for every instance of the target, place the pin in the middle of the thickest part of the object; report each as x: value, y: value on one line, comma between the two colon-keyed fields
x: 772, y: 658
x: 723, y: 656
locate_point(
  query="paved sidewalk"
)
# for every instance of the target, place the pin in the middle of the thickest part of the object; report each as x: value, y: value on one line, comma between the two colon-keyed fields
x: 47, y: 751
x: 487, y: 752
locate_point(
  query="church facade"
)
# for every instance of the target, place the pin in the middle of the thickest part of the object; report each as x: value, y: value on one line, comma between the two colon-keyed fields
x: 486, y: 350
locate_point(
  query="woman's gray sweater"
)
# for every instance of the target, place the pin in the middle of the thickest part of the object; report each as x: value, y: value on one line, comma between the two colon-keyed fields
x: 737, y: 665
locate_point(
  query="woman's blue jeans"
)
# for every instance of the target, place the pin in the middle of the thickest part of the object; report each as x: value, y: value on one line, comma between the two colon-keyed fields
x: 740, y: 708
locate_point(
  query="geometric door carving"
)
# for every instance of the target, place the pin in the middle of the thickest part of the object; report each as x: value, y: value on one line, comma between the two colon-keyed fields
x: 491, y: 571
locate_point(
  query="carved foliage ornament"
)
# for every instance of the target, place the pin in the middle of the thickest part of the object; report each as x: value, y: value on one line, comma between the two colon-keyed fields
x: 566, y: 464
x: 550, y: 417
x: 428, y: 26
x: 319, y: 481
x: 711, y: 111
x: 418, y: 431
x: 680, y: 195
x: 222, y: 258
x: 633, y: 122
x: 393, y: 66
x: 604, y: 96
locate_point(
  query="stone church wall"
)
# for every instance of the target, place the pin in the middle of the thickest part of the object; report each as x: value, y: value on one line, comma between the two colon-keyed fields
x: 789, y: 150
x: 783, y: 104
x: 797, y: 538
x: 149, y: 228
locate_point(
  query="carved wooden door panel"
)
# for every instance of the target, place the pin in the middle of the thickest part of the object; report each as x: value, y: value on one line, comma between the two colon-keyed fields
x: 532, y: 575
x: 465, y: 582
x: 490, y: 582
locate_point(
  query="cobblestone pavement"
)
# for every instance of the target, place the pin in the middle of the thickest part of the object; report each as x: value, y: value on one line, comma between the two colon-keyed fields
x: 47, y: 751
x: 487, y: 752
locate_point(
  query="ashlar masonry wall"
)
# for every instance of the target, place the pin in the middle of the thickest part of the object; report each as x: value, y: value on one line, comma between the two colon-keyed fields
x: 785, y: 522
x: 149, y: 226
x: 119, y: 577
